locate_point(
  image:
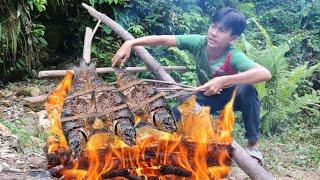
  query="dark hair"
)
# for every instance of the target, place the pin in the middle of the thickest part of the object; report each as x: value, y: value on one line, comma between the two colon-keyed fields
x: 230, y: 18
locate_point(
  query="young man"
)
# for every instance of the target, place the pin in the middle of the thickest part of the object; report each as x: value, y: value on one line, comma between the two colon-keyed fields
x: 219, y: 67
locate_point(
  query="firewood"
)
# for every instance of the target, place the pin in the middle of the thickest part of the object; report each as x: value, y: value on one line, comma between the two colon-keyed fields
x: 115, y: 173
x: 169, y: 169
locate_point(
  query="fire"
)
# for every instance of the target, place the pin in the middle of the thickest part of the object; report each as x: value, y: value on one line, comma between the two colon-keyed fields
x: 53, y: 106
x: 198, y: 151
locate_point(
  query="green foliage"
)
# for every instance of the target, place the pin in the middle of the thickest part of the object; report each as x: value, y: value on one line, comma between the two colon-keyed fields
x: 189, y: 77
x: 279, y: 99
x: 27, y: 139
x: 39, y: 4
x: 120, y: 2
x: 22, y: 40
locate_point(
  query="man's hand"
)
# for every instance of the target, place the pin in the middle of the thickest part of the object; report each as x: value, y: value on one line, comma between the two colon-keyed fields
x: 122, y: 54
x: 214, y: 86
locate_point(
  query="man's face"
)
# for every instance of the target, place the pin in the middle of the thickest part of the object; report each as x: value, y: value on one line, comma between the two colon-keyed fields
x: 219, y: 36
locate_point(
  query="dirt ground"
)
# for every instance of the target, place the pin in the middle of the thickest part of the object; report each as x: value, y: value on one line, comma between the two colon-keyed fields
x: 21, y: 155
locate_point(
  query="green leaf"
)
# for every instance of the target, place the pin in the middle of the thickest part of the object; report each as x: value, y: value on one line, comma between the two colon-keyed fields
x: 263, y: 31
x: 42, y: 41
x: 261, y: 89
x: 106, y: 29
x: 92, y: 2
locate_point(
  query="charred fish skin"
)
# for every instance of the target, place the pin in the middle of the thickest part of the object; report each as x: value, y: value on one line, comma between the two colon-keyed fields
x: 156, y: 112
x: 119, y: 122
x: 124, y: 129
x: 74, y: 130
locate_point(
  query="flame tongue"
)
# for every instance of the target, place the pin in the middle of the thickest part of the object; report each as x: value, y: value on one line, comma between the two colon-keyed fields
x: 198, y: 150
x: 53, y: 106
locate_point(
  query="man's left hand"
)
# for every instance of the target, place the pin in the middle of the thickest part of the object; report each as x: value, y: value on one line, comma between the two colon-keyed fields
x: 214, y: 86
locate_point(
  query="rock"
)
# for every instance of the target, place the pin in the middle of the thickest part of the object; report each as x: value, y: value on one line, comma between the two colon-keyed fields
x: 1, y: 95
x: 22, y: 92
x: 5, y: 166
x: 36, y: 162
x: 4, y: 131
x: 34, y: 105
x: 42, y: 121
x: 6, y: 103
x: 34, y: 91
x: 28, y: 91
x: 8, y: 93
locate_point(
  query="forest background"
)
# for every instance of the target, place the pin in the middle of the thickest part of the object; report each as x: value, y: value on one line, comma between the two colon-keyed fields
x: 283, y: 36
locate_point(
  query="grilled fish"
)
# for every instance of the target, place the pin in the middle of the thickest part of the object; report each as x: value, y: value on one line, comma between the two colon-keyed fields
x: 155, y: 113
x: 86, y: 98
x: 74, y: 130
x: 120, y: 121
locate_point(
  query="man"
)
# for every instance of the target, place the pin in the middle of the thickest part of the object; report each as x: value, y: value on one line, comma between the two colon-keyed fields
x: 219, y: 67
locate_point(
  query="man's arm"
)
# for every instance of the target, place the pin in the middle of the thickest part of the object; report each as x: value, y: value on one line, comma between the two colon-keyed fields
x: 124, y: 52
x: 254, y: 75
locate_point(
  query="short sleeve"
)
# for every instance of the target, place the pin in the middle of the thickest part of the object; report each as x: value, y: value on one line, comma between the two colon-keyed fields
x: 240, y: 62
x: 189, y: 42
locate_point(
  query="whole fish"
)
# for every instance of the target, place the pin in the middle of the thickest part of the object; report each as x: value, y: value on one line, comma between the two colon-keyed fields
x: 156, y: 113
x: 121, y: 120
x: 86, y: 102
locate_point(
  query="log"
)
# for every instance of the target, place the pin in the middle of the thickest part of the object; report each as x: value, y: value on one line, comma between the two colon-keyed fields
x: 155, y: 154
x: 246, y: 162
x: 59, y: 73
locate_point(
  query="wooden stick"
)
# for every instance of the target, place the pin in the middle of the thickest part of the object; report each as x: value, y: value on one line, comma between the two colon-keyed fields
x: 87, y: 45
x: 249, y: 164
x: 165, y: 82
x: 59, y: 73
x: 150, y: 62
x: 87, y: 42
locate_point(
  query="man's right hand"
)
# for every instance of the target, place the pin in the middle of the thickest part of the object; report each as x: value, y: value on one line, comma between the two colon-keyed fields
x: 122, y: 54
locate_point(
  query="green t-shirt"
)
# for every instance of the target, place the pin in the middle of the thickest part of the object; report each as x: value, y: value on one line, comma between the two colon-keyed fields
x: 207, y: 69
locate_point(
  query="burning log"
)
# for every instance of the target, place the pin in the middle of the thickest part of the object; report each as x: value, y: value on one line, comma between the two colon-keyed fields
x: 116, y: 173
x: 178, y: 171
x: 163, y: 157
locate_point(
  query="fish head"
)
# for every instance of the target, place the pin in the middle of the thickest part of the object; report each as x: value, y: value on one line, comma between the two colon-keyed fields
x: 163, y: 120
x: 77, y: 142
x: 125, y: 131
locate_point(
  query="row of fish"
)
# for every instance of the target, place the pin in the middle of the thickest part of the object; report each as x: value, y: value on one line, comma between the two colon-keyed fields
x: 91, y: 95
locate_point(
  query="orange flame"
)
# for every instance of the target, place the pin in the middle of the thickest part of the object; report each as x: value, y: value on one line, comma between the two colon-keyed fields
x: 53, y: 106
x: 189, y: 149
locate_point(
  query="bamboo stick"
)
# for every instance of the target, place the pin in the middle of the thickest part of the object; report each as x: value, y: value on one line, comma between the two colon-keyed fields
x: 59, y: 73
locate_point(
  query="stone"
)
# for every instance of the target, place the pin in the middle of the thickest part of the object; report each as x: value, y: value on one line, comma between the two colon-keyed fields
x: 22, y: 92
x: 34, y: 91
x: 4, y: 131
x: 35, y: 106
x: 42, y: 121
x: 6, y: 103
x: 1, y: 95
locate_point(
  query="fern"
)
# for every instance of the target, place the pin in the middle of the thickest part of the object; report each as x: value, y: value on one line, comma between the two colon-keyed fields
x: 280, y: 102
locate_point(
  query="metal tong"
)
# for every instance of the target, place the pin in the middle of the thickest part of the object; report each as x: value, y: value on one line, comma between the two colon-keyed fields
x: 178, y: 89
